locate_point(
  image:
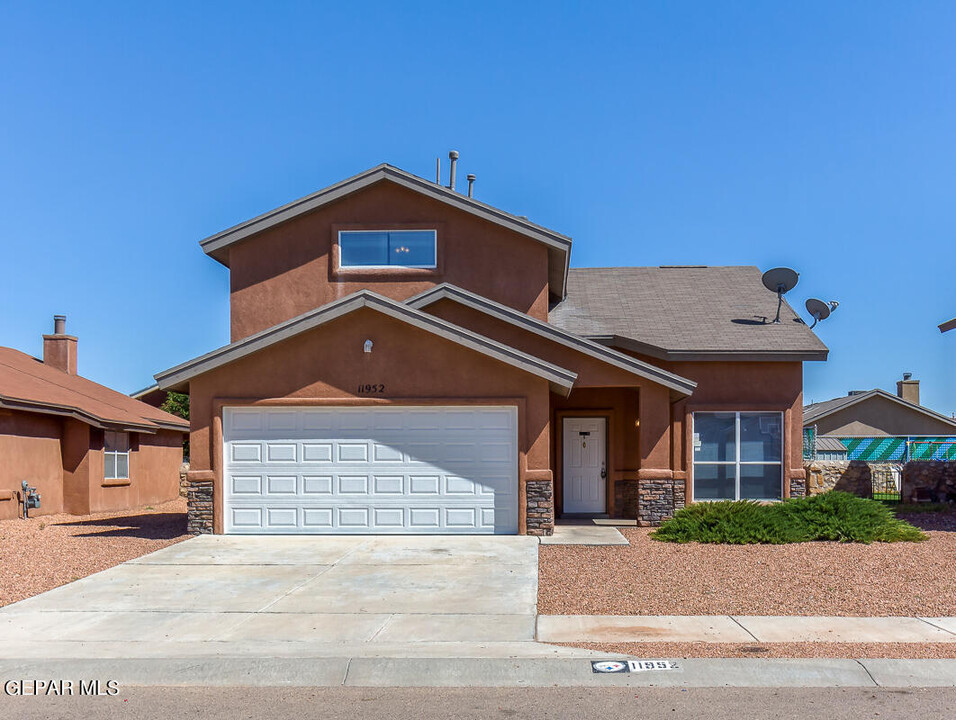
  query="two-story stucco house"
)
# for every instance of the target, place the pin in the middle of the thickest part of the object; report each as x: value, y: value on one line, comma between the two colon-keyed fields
x: 407, y: 359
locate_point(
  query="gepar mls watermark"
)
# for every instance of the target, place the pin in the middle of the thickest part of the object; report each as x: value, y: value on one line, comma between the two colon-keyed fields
x: 37, y: 687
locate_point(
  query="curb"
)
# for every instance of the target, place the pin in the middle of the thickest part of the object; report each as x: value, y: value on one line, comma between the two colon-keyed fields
x: 482, y: 672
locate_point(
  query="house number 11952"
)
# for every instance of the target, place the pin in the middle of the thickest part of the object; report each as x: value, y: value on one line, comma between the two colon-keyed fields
x: 371, y: 389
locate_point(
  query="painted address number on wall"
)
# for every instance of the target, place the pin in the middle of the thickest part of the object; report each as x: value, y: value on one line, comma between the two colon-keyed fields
x: 371, y: 389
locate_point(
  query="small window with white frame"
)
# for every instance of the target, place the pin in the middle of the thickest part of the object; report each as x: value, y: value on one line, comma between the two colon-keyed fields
x: 380, y: 249
x: 115, y: 455
x: 738, y: 456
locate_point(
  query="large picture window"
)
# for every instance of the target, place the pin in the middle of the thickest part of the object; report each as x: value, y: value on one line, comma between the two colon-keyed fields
x: 115, y: 455
x: 387, y: 248
x: 738, y: 455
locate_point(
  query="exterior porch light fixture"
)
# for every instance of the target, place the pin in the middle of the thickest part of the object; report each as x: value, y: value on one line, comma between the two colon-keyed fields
x: 368, y: 346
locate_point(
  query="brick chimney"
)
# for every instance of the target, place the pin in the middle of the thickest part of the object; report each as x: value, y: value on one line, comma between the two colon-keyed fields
x: 908, y: 389
x: 59, y: 349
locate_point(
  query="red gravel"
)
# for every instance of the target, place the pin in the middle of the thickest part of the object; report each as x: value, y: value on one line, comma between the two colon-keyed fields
x: 657, y: 578
x: 662, y: 651
x: 45, y: 552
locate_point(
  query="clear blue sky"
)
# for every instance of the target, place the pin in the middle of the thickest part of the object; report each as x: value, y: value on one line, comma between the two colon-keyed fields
x: 820, y: 135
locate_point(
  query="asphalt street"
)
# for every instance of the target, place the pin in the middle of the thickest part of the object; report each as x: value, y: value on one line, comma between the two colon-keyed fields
x: 449, y: 703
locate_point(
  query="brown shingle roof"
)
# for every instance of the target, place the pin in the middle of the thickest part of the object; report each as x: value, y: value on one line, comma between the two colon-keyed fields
x: 684, y: 313
x: 27, y: 384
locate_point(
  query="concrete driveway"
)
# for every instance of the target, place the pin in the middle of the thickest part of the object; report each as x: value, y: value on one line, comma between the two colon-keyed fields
x: 280, y: 596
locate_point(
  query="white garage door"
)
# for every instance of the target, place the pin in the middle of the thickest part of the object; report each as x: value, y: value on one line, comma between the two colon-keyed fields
x: 371, y: 470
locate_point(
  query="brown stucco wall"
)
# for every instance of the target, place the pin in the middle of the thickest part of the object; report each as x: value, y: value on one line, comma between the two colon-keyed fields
x: 153, y: 472
x: 770, y: 386
x: 288, y: 270
x: 880, y: 417
x: 63, y: 459
x: 325, y: 366
x: 741, y: 386
x: 30, y: 450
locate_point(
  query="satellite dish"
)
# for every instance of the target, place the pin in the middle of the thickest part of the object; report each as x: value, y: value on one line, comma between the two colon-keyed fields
x: 820, y: 310
x: 780, y: 280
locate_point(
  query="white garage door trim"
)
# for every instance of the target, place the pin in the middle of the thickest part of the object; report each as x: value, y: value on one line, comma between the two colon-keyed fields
x: 370, y: 470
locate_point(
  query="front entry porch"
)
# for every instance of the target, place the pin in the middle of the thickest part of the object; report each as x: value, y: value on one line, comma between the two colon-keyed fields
x: 613, y: 454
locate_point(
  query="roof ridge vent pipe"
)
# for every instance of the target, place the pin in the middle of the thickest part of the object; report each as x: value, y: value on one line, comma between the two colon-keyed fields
x: 471, y: 185
x: 59, y: 324
x: 438, y: 170
x: 453, y: 161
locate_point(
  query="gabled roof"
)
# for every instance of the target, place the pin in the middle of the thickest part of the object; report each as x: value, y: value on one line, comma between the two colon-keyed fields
x: 447, y: 291
x: 817, y: 411
x: 561, y: 380
x: 559, y: 246
x: 684, y: 313
x: 29, y: 385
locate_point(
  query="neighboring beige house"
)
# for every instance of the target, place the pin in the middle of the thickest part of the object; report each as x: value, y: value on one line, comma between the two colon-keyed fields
x: 877, y: 413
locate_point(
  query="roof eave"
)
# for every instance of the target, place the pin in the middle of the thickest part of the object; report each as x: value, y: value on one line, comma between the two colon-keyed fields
x: 77, y: 414
x: 560, y: 379
x: 660, y: 353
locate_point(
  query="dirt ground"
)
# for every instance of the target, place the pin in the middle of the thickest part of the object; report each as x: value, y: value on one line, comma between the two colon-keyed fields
x: 656, y: 578
x: 859, y: 651
x: 45, y: 552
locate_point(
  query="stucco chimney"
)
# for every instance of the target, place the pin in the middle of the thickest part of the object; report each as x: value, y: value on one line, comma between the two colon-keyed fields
x: 908, y: 389
x: 59, y: 349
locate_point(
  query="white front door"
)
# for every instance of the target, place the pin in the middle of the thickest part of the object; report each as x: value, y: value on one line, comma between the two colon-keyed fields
x: 365, y: 470
x: 584, y: 466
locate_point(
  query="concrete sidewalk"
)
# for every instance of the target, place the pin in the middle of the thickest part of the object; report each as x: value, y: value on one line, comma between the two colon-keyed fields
x: 742, y: 629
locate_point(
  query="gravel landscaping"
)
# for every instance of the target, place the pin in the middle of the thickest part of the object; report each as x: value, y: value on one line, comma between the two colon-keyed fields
x: 45, y: 552
x: 816, y: 578
x: 663, y: 651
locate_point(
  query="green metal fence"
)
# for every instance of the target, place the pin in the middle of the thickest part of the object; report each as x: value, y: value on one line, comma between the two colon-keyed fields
x: 810, y: 442
x: 899, y: 449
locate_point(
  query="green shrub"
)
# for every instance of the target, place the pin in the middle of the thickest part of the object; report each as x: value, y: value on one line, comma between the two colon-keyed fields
x: 834, y: 516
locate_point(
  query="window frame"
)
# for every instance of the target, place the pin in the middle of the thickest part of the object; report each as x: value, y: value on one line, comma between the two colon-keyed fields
x: 115, y: 454
x: 388, y: 231
x: 737, y: 463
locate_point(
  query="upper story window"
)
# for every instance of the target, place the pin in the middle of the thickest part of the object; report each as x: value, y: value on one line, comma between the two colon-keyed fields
x: 387, y: 248
x: 115, y: 455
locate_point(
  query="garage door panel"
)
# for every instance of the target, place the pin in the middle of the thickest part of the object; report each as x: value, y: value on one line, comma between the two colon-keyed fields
x: 317, y: 452
x: 246, y: 484
x: 371, y: 470
x: 388, y: 484
x: 382, y: 453
x: 317, y: 484
x: 250, y: 452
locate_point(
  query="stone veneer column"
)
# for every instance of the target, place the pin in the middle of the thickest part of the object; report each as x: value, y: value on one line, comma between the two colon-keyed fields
x: 199, y: 507
x: 540, y: 504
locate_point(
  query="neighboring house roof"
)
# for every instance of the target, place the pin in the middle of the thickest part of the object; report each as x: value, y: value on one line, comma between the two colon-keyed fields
x: 561, y: 380
x: 948, y: 325
x: 29, y: 385
x: 825, y: 443
x: 644, y: 370
x: 817, y: 411
x: 559, y: 246
x: 151, y: 395
x: 684, y: 313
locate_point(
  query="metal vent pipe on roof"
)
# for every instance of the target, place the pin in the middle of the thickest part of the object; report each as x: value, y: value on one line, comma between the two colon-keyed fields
x: 438, y: 171
x: 453, y: 161
x: 471, y: 185
x: 59, y: 324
